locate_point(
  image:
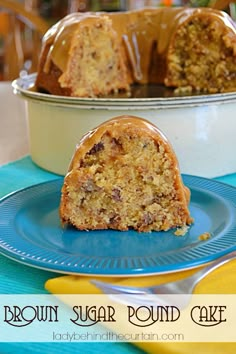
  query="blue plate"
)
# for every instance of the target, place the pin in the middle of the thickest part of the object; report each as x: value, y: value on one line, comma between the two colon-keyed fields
x: 30, y: 233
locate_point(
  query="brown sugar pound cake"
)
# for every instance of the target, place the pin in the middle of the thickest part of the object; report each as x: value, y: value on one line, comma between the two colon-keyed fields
x: 83, y: 60
x: 96, y: 54
x: 202, y: 55
x: 125, y: 175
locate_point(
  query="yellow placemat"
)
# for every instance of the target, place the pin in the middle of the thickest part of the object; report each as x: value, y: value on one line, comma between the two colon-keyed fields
x: 220, y: 281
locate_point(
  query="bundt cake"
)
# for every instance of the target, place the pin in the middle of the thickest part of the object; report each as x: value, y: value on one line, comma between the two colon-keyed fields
x: 95, y: 54
x: 125, y: 175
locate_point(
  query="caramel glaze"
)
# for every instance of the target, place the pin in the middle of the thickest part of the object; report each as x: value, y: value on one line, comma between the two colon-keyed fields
x: 145, y: 36
x: 117, y: 126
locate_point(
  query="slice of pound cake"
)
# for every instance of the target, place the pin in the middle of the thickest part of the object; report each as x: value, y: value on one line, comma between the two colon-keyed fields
x: 125, y: 175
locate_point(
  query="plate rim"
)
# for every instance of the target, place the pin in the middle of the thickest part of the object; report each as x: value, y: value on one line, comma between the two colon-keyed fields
x: 163, y: 269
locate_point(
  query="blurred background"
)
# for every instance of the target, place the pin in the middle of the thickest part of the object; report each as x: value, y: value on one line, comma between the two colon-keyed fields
x: 23, y: 23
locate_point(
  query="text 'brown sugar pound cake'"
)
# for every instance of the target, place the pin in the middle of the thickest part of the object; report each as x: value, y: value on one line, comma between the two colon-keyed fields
x: 96, y: 54
x: 125, y: 175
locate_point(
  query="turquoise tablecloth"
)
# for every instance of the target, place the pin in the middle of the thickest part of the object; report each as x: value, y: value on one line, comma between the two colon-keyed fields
x: 16, y: 278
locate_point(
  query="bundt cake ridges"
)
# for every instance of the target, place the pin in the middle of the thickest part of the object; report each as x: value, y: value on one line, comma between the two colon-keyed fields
x: 194, y: 49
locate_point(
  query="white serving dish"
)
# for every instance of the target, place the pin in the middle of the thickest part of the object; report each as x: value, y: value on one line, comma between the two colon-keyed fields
x: 201, y: 128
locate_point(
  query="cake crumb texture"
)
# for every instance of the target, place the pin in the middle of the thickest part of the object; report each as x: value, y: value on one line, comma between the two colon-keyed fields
x: 98, y: 54
x: 96, y: 64
x: 204, y: 236
x: 203, y: 57
x: 124, y: 175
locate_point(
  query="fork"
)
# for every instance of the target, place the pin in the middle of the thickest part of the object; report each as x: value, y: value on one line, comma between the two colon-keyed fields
x: 184, y: 286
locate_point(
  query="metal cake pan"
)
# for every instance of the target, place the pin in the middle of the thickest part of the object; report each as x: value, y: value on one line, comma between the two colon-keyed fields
x: 201, y: 128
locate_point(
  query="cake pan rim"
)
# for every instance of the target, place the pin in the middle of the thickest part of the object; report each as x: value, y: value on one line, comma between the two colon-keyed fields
x: 22, y: 86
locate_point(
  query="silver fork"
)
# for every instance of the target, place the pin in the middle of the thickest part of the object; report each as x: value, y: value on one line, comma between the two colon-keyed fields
x: 184, y: 286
